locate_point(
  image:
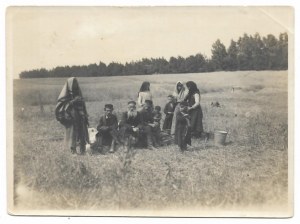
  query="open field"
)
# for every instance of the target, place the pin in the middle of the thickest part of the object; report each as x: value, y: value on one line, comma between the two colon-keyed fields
x: 250, y: 171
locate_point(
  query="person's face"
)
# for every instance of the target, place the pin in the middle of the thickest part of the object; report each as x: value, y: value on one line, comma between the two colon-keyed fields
x: 108, y: 111
x: 170, y: 99
x: 131, y: 107
x: 75, y: 87
x: 146, y: 106
x: 179, y: 87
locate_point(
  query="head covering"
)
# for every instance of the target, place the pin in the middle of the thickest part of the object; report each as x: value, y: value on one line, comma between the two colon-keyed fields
x: 109, y: 106
x: 180, y: 96
x: 131, y: 102
x: 70, y: 89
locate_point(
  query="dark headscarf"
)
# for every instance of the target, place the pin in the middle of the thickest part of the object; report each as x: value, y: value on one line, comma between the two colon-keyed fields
x: 70, y: 90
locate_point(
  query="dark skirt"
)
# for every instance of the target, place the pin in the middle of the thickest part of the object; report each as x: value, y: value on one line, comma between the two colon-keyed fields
x: 182, y: 133
x: 168, y: 122
x: 196, y: 121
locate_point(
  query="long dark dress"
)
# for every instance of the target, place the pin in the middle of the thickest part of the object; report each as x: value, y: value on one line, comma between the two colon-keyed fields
x: 182, y: 131
x: 196, y: 117
x: 170, y: 107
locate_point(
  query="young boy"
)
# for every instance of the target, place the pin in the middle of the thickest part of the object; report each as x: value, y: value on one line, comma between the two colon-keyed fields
x: 107, y: 129
x: 156, y: 129
x: 169, y: 112
x: 182, y: 131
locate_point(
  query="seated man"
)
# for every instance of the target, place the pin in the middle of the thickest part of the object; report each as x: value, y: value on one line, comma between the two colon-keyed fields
x: 148, y: 124
x: 107, y: 129
x: 130, y: 125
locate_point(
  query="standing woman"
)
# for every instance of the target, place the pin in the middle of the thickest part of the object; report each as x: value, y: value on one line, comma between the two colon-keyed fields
x: 179, y: 94
x: 144, y: 94
x: 71, y: 112
x: 194, y: 108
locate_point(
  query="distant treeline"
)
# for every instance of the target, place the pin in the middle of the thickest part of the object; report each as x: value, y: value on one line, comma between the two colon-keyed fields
x: 247, y: 53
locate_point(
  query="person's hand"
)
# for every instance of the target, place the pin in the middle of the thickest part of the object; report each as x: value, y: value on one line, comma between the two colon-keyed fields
x: 151, y: 125
x: 170, y: 112
x: 135, y: 129
x: 76, y: 99
x: 189, y: 108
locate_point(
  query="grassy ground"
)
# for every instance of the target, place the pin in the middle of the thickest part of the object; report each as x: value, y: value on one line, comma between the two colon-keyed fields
x: 250, y: 170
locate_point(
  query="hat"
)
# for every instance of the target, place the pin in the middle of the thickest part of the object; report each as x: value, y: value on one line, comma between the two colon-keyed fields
x: 131, y: 102
x: 109, y: 106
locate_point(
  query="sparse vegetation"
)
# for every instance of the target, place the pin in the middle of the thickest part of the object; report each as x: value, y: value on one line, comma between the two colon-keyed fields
x: 250, y: 170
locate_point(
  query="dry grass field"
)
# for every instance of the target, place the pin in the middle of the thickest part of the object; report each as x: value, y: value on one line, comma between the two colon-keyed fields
x: 250, y: 171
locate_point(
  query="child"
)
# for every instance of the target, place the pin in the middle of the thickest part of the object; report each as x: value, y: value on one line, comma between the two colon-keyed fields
x: 156, y: 128
x: 169, y: 112
x: 182, y: 130
x: 157, y: 115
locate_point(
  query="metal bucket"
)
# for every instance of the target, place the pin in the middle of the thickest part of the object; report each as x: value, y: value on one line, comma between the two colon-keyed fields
x: 220, y: 138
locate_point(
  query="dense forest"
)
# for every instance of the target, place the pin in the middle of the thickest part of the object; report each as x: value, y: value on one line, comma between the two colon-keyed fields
x: 247, y: 53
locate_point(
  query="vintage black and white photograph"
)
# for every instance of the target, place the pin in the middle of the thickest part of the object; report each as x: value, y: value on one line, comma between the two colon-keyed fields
x: 150, y: 111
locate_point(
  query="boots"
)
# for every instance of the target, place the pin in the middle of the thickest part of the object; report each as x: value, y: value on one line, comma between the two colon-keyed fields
x: 150, y: 142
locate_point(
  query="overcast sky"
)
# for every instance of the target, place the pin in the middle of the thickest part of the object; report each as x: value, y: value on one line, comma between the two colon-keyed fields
x: 49, y: 37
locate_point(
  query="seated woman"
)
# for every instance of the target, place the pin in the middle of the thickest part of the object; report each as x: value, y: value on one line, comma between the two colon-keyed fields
x: 71, y: 112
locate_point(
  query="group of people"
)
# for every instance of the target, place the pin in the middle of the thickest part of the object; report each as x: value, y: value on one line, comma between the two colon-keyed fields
x: 140, y: 125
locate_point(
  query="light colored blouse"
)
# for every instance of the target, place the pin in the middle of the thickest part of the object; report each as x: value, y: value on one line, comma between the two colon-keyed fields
x: 143, y: 96
x: 197, y: 100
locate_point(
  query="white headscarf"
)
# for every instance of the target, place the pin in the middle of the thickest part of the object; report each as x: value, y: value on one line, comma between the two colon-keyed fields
x: 180, y: 96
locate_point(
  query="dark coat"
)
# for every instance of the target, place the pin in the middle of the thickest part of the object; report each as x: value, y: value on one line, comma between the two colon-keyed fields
x: 147, y: 117
x: 110, y: 123
x: 127, y: 123
x: 170, y: 107
x: 107, y: 129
